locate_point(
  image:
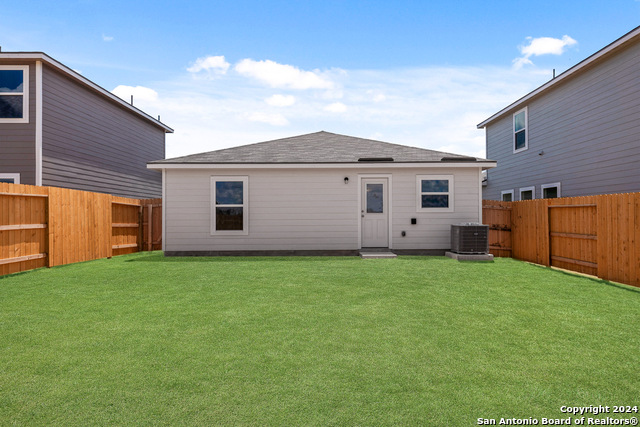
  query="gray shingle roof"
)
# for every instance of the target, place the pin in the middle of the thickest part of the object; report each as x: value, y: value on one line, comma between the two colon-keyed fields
x: 319, y: 147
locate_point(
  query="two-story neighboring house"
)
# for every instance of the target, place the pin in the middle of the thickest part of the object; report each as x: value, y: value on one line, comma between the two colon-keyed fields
x: 576, y: 135
x: 57, y: 128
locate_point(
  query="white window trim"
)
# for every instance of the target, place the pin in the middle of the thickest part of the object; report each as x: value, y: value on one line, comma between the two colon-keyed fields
x: 502, y: 193
x: 14, y: 176
x: 532, y: 189
x: 554, y: 184
x: 25, y: 93
x: 526, y: 130
x: 419, y: 193
x: 245, y: 205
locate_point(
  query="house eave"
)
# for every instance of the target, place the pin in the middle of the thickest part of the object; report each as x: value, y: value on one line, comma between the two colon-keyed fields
x: 570, y: 73
x: 376, y: 165
x: 41, y: 56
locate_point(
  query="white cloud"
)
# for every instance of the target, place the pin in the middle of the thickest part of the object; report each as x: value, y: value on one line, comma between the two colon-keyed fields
x: 547, y: 46
x: 521, y: 62
x: 140, y: 94
x: 431, y: 107
x: 281, y: 100
x: 282, y: 75
x: 107, y: 38
x: 269, y: 118
x: 212, y: 64
x: 336, y: 107
x: 542, y: 46
x: 376, y: 96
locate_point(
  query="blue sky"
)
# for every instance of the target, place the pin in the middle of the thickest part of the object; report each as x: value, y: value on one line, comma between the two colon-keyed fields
x: 225, y: 73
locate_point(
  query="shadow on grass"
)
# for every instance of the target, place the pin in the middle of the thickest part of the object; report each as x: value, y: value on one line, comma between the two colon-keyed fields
x: 622, y: 286
x: 617, y: 285
x: 209, y: 259
x: 159, y: 258
x: 21, y: 273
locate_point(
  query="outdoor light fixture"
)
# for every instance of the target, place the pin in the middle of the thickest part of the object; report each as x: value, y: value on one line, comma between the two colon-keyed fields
x: 346, y: 179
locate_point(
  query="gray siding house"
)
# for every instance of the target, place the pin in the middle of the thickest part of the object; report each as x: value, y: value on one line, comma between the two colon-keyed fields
x: 57, y: 128
x: 320, y: 193
x: 576, y: 135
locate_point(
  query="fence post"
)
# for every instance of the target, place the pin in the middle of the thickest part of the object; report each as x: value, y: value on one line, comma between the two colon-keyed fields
x: 150, y: 227
x: 110, y: 240
x: 140, y: 225
x: 51, y: 225
x: 548, y: 230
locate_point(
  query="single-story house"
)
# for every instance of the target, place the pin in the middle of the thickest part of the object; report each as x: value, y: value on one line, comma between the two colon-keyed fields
x: 320, y: 193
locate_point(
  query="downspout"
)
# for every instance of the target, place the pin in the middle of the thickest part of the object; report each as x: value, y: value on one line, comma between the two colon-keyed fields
x: 38, y: 123
x: 164, y: 209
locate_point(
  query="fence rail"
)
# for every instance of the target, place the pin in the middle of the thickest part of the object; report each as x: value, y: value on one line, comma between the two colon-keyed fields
x: 597, y: 235
x: 49, y: 226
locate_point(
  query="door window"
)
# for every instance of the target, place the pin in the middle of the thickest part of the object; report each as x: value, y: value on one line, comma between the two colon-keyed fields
x: 375, y: 201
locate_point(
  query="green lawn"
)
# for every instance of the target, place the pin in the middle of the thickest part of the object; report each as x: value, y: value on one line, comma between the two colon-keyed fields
x: 143, y: 339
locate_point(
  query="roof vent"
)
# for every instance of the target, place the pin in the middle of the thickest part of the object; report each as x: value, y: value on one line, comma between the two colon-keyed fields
x: 375, y: 159
x: 458, y: 159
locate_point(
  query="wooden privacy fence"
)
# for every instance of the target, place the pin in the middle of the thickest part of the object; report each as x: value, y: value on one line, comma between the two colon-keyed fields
x: 498, y: 216
x: 49, y: 226
x: 597, y: 235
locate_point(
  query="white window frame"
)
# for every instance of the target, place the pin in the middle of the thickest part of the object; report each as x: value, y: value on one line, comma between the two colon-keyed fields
x: 526, y: 130
x: 554, y: 184
x: 14, y: 176
x: 449, y: 193
x: 532, y: 189
x: 25, y: 93
x: 502, y: 193
x: 245, y: 205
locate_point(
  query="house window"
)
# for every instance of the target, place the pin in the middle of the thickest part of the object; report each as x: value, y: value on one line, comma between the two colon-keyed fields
x: 14, y: 94
x: 506, y: 196
x: 11, y: 178
x: 520, y: 137
x: 435, y: 193
x: 229, y: 205
x: 528, y: 193
x: 551, y: 191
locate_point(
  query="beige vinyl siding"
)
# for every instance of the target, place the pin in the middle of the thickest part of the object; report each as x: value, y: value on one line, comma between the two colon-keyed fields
x: 309, y: 209
x: 92, y: 143
x: 588, y: 127
x: 433, y: 229
x: 17, y: 140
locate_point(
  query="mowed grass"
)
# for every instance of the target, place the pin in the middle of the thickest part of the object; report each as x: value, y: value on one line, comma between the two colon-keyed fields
x: 147, y: 340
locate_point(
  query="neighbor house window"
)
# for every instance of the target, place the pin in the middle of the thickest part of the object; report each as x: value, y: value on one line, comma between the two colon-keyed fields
x: 506, y: 196
x: 551, y: 191
x: 520, y: 137
x: 11, y: 178
x: 528, y: 193
x: 14, y: 94
x: 229, y: 205
x: 435, y: 193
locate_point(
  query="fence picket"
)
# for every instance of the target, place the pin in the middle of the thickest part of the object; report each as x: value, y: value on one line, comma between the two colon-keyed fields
x: 598, y: 235
x: 73, y: 226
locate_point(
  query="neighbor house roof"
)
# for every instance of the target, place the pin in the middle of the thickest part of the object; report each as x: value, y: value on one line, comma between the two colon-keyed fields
x: 40, y: 56
x: 319, y: 147
x: 603, y: 54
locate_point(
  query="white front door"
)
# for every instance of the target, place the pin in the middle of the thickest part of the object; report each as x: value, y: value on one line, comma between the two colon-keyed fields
x: 375, y: 213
